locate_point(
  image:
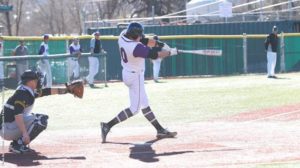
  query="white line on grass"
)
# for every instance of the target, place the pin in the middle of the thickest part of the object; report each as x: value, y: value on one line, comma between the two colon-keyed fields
x: 271, y: 116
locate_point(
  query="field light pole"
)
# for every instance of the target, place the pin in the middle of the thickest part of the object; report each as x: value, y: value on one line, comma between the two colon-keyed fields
x: 2, y: 117
x: 3, y: 8
x: 245, y: 52
x: 290, y: 9
x: 153, y: 14
x: 3, y: 98
x: 105, y: 70
x: 282, y: 55
x: 260, y: 11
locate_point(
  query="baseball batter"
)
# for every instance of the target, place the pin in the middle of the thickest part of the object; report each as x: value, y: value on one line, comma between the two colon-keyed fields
x: 43, y: 64
x: 134, y: 50
x: 20, y: 125
x: 73, y: 68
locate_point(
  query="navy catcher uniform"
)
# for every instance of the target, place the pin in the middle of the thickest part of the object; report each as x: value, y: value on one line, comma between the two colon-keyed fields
x: 21, y: 126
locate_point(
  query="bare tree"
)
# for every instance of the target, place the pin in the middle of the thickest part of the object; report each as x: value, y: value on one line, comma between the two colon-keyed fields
x: 161, y: 7
x: 36, y: 17
x: 19, y: 11
x: 75, y: 11
x: 7, y: 21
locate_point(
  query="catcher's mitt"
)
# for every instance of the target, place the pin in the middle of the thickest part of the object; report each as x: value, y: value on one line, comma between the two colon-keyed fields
x: 76, y: 88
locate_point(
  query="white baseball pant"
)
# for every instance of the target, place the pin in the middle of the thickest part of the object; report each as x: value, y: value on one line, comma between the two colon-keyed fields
x: 12, y: 131
x: 271, y: 57
x: 21, y: 68
x: 156, y: 68
x: 93, y: 69
x: 46, y: 70
x: 73, y: 67
x: 138, y: 97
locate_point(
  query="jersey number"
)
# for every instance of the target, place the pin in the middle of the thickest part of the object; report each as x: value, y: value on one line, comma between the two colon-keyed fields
x: 123, y: 55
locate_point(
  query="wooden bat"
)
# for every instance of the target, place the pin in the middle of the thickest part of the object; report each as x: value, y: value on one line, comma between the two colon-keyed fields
x: 206, y: 52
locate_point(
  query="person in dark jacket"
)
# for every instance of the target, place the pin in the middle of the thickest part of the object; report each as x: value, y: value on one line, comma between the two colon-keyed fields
x: 22, y: 65
x: 271, y: 45
x: 96, y: 48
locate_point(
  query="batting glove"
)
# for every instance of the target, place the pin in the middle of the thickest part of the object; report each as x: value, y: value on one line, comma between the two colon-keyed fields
x: 173, y: 51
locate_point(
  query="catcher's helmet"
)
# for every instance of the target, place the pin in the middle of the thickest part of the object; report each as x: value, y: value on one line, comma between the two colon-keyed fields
x: 135, y: 30
x: 29, y: 75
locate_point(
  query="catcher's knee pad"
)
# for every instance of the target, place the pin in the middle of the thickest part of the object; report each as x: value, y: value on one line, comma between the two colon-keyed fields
x: 38, y: 126
x: 42, y: 118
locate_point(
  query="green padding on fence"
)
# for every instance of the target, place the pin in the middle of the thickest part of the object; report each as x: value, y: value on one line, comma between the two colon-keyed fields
x: 185, y: 64
x: 231, y: 62
x: 292, y: 53
x: 188, y: 64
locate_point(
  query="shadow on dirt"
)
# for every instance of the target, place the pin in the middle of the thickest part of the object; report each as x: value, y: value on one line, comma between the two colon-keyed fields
x: 145, y: 153
x: 32, y: 158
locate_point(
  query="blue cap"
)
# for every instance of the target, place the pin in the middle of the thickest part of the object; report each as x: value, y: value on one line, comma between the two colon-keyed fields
x: 46, y: 36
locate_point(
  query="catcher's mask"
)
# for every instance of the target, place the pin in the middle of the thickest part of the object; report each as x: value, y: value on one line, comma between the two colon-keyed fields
x: 29, y: 75
x: 134, y: 30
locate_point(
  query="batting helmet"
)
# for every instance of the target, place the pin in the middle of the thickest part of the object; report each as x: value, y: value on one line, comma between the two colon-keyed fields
x: 135, y: 30
x: 29, y: 75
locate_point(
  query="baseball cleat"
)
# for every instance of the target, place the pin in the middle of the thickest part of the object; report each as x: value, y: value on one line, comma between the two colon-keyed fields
x: 164, y: 133
x: 91, y: 85
x: 15, y: 147
x: 104, y: 131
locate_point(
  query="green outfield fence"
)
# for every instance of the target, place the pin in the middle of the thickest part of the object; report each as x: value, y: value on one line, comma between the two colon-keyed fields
x: 241, y: 54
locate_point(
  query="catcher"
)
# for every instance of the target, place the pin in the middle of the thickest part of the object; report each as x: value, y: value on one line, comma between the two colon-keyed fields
x: 20, y: 125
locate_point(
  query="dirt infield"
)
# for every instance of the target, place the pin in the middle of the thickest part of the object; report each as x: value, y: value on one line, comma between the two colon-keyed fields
x: 269, y: 136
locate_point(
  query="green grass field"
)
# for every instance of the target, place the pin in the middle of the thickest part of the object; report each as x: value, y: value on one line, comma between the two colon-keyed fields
x: 279, y: 165
x: 174, y: 101
x: 185, y: 101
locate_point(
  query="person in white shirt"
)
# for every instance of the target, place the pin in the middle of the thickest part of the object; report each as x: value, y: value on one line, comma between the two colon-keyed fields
x: 73, y: 65
x: 43, y: 64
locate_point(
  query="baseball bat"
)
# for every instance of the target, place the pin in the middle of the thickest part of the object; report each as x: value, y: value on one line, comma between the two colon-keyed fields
x: 206, y: 52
